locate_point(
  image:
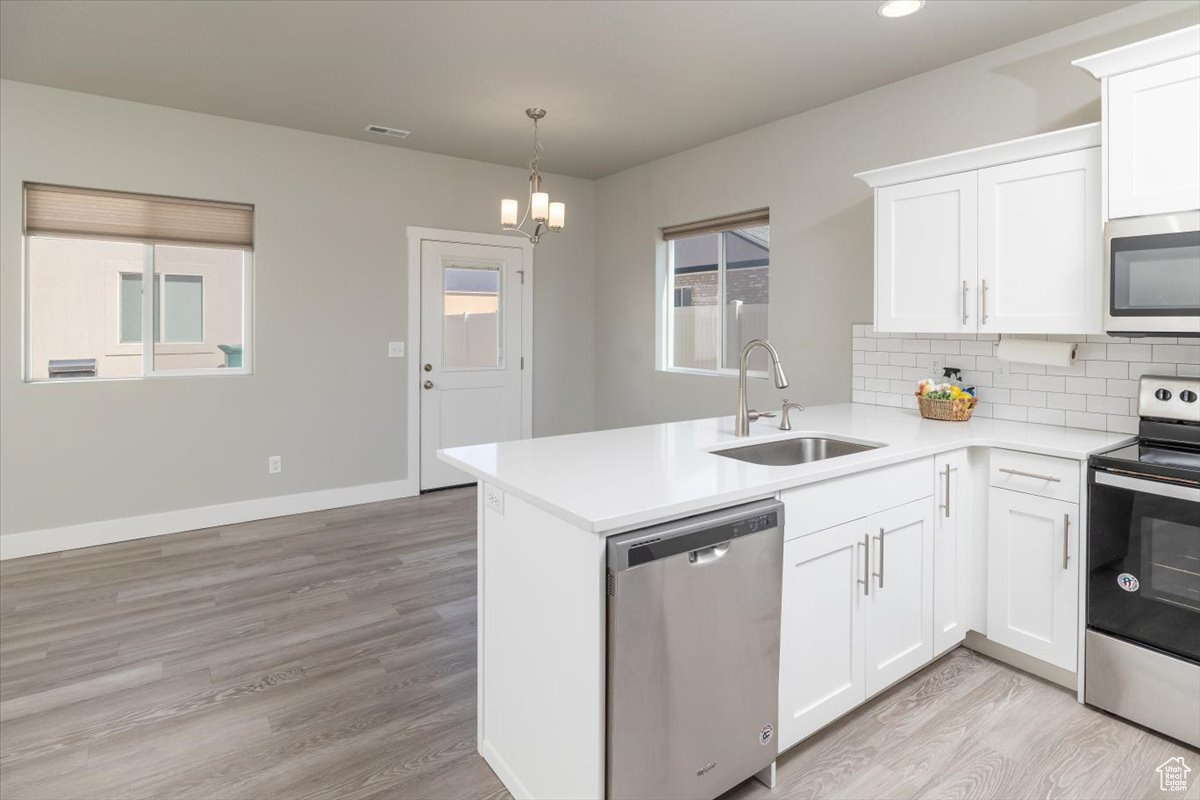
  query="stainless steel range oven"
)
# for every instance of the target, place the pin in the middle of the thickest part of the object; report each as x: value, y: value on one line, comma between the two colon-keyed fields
x: 1152, y: 275
x: 1142, y: 646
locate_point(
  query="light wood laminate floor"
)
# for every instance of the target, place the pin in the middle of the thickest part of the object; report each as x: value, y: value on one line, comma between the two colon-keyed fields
x: 332, y: 655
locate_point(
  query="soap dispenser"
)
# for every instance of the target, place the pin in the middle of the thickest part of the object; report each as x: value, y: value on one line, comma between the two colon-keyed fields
x: 953, y: 376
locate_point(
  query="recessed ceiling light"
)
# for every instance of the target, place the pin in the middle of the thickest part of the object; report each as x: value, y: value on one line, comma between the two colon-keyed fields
x: 384, y: 130
x: 900, y: 8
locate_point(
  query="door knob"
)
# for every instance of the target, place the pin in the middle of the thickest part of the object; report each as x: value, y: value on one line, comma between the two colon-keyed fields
x: 428, y: 384
x: 429, y: 367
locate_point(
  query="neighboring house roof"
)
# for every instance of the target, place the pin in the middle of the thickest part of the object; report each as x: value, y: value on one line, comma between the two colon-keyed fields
x: 473, y: 281
x: 745, y: 248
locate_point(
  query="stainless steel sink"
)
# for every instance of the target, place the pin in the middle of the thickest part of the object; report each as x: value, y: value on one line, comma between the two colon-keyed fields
x: 788, y: 452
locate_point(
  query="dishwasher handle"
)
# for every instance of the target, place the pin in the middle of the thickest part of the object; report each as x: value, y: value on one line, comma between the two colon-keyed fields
x: 707, y: 555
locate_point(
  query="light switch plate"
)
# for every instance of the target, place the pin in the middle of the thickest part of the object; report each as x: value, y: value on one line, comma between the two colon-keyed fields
x: 493, y: 498
x: 395, y: 349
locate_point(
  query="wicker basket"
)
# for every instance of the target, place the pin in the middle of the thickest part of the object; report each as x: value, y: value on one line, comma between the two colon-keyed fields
x: 953, y: 410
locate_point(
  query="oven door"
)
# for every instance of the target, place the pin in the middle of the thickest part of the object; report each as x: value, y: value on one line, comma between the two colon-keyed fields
x: 1152, y: 275
x: 1144, y: 561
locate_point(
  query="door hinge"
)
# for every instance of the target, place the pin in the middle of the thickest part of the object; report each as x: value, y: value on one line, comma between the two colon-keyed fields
x: 521, y: 272
x: 522, y: 362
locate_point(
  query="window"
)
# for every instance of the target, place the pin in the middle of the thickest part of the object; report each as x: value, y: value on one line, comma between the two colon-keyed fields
x: 717, y: 291
x: 90, y: 255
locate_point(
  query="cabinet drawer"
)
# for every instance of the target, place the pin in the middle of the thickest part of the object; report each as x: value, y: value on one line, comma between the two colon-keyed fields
x: 822, y: 505
x: 1045, y: 476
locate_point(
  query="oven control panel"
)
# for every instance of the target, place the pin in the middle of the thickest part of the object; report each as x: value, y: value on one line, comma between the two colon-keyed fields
x: 1169, y: 397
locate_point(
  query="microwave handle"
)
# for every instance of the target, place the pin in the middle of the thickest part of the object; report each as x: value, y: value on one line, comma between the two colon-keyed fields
x: 1149, y: 487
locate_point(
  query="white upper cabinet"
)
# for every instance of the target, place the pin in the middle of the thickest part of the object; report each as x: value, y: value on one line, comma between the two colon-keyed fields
x: 1039, y: 245
x: 999, y: 239
x: 1151, y: 123
x: 925, y: 255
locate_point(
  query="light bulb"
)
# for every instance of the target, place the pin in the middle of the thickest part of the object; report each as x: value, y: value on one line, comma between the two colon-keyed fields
x: 558, y: 216
x: 539, y: 206
x: 508, y: 213
x: 900, y: 8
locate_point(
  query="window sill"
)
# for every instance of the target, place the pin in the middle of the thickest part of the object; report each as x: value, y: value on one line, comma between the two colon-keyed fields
x: 720, y: 373
x: 182, y: 373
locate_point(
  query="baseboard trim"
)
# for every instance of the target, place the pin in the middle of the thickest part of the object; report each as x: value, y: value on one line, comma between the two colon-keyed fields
x: 90, y: 534
x: 1014, y: 658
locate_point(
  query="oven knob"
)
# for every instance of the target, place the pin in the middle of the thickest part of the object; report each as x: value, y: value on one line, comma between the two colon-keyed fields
x: 1187, y: 396
x: 1163, y: 394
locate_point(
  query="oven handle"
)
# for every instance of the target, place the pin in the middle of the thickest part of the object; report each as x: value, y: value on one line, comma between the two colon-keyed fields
x: 1148, y: 486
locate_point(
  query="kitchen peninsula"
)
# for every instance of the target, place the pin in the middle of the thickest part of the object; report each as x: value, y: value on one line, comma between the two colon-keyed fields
x: 547, y: 507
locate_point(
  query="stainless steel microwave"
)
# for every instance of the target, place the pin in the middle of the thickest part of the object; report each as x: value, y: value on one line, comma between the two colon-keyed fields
x: 1152, y: 275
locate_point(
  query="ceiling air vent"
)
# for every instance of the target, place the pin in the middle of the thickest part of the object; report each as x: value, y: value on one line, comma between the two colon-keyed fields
x: 383, y: 130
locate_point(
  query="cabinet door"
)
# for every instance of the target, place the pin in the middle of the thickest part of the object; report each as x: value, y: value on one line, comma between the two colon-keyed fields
x: 1153, y: 124
x: 1033, y: 599
x: 1039, y: 245
x: 925, y: 255
x: 821, y: 642
x: 951, y: 551
x: 899, y: 615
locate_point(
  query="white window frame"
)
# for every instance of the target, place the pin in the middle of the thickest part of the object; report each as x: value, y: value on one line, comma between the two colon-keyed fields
x: 148, y: 343
x: 665, y: 330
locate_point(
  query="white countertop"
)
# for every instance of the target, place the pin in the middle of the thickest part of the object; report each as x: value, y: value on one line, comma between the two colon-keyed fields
x: 614, y: 480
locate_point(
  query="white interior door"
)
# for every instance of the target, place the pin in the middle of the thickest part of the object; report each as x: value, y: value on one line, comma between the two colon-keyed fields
x: 472, y: 352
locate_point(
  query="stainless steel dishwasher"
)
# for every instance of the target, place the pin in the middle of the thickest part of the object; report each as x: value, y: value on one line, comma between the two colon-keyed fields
x: 693, y: 653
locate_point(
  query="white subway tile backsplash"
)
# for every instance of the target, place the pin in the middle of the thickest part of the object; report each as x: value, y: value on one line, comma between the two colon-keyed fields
x: 1086, y: 385
x: 1082, y: 419
x: 1097, y: 391
x: 1022, y: 397
x: 1178, y: 353
x: 1122, y: 388
x: 1047, y: 383
x: 1129, y: 352
x: 1095, y: 403
x: 1048, y: 416
x: 1100, y: 369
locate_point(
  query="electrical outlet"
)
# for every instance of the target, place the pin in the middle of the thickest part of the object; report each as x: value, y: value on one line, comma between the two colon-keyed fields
x: 935, y: 367
x: 493, y: 498
x: 395, y: 349
x: 1000, y: 378
x: 274, y: 465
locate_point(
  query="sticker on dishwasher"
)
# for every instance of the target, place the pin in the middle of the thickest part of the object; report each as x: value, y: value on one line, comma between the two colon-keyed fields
x: 764, y: 736
x: 1128, y: 582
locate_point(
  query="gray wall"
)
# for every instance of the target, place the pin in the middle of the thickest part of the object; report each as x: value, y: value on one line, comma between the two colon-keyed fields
x: 821, y: 217
x: 330, y: 261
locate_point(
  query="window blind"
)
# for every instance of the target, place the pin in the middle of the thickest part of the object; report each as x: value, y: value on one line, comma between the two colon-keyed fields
x: 70, y: 211
x: 761, y: 216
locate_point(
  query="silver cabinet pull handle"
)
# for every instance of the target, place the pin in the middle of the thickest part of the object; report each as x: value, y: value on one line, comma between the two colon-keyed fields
x: 1066, y: 539
x: 946, y: 506
x: 879, y: 574
x: 1008, y: 471
x: 866, y: 578
x: 983, y: 301
x: 964, y: 303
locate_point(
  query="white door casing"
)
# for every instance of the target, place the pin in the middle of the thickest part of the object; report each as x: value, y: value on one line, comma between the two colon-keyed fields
x: 1039, y: 245
x: 899, y: 614
x: 472, y: 366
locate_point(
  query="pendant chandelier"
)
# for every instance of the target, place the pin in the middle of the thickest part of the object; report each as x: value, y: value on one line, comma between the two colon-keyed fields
x: 545, y: 215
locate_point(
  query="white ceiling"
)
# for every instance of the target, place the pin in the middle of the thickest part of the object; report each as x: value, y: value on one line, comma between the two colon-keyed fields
x: 624, y: 82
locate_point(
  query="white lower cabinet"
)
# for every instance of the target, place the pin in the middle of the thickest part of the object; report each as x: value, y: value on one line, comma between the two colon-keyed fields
x: 899, y: 620
x: 821, y: 643
x: 856, y: 614
x: 1033, y: 575
x: 952, y: 555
